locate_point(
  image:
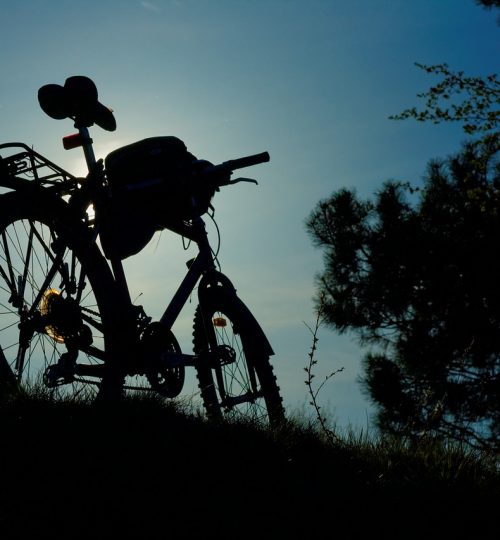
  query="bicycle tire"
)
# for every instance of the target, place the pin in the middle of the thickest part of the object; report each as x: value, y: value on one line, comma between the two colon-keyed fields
x: 50, y: 272
x: 244, y: 388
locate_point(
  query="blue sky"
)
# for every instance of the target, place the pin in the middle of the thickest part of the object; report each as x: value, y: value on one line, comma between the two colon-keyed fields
x: 311, y: 81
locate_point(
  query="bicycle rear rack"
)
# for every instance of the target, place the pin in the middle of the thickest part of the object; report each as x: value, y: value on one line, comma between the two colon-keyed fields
x: 23, y: 165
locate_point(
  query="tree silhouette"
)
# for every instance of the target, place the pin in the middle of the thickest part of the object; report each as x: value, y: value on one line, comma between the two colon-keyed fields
x: 468, y: 100
x: 414, y: 273
x: 488, y: 4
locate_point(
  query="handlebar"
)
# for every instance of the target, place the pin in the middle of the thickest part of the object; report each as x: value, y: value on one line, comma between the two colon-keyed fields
x: 247, y: 161
x: 222, y: 172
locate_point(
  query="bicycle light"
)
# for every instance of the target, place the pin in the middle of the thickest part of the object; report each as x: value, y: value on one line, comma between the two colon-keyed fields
x: 74, y: 141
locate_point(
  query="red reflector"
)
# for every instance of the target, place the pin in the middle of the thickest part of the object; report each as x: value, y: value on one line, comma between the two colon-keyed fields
x: 220, y: 322
x: 72, y: 141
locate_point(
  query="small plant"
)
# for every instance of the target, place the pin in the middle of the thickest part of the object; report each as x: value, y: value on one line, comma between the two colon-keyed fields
x: 331, y: 436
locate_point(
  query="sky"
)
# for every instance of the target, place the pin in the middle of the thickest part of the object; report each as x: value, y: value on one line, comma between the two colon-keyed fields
x: 312, y: 82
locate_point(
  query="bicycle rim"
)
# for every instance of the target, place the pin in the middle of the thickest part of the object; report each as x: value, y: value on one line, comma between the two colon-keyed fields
x: 50, y: 304
x: 236, y: 379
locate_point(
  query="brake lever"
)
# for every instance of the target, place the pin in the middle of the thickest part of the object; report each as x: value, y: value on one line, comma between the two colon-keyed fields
x: 250, y: 180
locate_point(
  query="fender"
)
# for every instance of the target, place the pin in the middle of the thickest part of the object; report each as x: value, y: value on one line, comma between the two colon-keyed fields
x: 13, y: 182
x: 39, y: 198
x: 215, y: 285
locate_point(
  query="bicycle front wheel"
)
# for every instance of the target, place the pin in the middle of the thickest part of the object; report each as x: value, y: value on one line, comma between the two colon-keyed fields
x: 235, y: 377
x: 55, y: 298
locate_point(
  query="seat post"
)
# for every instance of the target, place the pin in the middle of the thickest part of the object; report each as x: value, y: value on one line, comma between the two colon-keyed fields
x: 88, y: 150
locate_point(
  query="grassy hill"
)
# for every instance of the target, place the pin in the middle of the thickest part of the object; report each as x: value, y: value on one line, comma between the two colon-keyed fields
x: 145, y: 469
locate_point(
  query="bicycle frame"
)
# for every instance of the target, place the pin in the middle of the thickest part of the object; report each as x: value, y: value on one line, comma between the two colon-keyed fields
x: 201, y: 269
x: 68, y: 319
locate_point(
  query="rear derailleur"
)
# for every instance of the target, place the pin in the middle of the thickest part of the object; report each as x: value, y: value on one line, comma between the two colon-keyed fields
x: 63, y: 372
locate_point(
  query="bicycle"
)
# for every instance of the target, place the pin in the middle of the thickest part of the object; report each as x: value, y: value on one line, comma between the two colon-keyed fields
x: 67, y: 321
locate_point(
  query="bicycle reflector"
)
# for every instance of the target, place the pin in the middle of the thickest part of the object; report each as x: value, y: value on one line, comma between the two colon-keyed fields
x: 74, y: 141
x: 219, y: 322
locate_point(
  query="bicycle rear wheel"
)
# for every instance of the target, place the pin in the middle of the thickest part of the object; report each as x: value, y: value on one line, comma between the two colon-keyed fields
x: 55, y: 298
x: 235, y: 376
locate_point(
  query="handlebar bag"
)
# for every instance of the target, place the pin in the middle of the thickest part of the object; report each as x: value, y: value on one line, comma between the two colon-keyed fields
x: 152, y: 184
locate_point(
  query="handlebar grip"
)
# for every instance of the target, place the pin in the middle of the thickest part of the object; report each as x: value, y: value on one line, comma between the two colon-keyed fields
x: 247, y: 161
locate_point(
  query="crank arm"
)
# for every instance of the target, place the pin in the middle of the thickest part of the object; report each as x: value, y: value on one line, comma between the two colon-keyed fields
x: 174, y: 359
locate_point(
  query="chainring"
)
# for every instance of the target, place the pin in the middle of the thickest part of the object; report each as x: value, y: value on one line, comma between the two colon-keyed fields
x: 155, y: 342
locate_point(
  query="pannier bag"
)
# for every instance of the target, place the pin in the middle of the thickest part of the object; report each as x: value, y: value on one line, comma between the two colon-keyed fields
x: 152, y: 184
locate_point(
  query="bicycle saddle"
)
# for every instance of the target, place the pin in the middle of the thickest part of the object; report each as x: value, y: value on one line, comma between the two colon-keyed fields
x: 78, y: 100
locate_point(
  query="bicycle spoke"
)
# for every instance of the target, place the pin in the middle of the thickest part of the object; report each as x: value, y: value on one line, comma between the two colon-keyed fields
x: 242, y: 383
x: 48, y: 304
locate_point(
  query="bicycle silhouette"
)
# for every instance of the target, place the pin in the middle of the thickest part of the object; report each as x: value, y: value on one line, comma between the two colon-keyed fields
x: 67, y: 321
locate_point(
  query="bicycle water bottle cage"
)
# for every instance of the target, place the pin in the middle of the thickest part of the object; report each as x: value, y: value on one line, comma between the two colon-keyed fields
x: 77, y: 99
